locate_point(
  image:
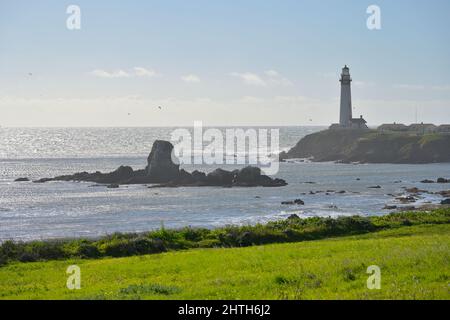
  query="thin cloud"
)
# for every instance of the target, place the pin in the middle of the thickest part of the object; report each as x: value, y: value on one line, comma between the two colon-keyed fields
x: 142, y: 72
x: 114, y: 74
x: 274, y: 77
x: 409, y: 86
x: 249, y: 78
x: 135, y: 72
x: 267, y: 78
x: 190, y: 78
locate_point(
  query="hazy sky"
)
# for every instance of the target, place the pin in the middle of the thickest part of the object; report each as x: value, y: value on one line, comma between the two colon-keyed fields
x: 252, y: 62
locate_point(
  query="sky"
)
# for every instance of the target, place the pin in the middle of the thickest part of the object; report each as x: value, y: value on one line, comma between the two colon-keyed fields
x: 222, y: 62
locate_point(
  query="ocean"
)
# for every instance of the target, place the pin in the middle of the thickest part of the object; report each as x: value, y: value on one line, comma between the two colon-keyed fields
x: 79, y: 209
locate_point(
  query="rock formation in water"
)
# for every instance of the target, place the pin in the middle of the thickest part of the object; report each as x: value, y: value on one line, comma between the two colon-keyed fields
x: 163, y: 172
x: 160, y: 167
x: 370, y: 146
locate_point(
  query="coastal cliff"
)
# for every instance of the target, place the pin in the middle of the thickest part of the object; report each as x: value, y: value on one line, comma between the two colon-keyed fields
x: 371, y: 146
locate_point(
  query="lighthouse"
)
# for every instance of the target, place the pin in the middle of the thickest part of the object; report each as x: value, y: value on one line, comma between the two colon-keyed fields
x: 346, y: 98
x: 346, y: 120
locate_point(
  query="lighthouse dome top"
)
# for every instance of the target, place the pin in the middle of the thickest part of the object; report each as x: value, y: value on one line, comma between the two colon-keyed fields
x: 345, y: 70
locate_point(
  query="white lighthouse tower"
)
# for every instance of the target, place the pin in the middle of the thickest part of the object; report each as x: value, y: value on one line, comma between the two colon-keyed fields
x: 346, y: 121
x: 346, y: 98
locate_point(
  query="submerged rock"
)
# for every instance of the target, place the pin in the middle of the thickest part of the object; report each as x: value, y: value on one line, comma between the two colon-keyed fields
x: 296, y: 201
x: 21, y: 180
x: 406, y: 199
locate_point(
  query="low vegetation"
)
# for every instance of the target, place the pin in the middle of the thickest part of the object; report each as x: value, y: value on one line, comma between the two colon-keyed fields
x: 414, y: 263
x: 292, y: 229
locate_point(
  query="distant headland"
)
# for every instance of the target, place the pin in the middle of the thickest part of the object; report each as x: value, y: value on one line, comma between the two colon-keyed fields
x: 351, y: 140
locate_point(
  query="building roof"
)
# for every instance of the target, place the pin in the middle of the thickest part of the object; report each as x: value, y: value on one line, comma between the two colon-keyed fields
x: 421, y: 125
x: 392, y: 126
x: 358, y: 120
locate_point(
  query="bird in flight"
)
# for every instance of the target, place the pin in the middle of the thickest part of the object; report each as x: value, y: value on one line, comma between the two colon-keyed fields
x: 159, y: 107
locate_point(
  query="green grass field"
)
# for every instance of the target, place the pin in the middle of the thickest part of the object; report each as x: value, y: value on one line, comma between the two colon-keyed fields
x: 414, y: 262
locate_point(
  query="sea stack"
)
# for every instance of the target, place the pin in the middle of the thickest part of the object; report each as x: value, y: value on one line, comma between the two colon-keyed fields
x: 160, y: 167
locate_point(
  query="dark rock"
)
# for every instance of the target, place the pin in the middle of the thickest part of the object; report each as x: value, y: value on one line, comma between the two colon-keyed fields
x: 443, y: 180
x: 121, y: 175
x: 220, y: 177
x: 185, y: 178
x: 387, y: 207
x: 21, y: 179
x: 406, y: 199
x: 407, y: 208
x: 375, y: 187
x: 43, y: 180
x: 113, y: 186
x: 293, y: 217
x: 250, y: 175
x: 341, y: 192
x: 427, y: 181
x: 199, y: 176
x: 446, y: 201
x: 444, y: 193
x: 296, y: 201
x: 160, y: 167
x: 415, y: 190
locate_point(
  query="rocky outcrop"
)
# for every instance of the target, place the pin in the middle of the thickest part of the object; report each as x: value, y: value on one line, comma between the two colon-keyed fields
x: 296, y: 201
x: 160, y: 167
x: 163, y: 172
x: 246, y: 177
x: 370, y: 146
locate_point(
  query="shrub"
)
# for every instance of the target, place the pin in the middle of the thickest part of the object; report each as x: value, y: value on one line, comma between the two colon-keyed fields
x: 122, y: 245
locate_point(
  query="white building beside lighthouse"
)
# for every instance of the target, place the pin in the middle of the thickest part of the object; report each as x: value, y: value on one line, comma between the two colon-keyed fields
x: 346, y: 120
